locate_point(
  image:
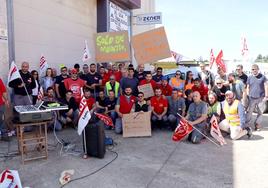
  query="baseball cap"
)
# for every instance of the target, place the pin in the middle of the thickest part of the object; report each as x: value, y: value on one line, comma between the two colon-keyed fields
x: 74, y: 71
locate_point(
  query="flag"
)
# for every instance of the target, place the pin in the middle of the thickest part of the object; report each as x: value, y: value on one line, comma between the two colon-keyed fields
x: 182, y: 130
x: 212, y: 58
x: 86, y: 55
x: 10, y: 179
x: 177, y: 57
x: 244, y: 50
x: 215, y: 130
x: 105, y: 118
x: 13, y: 72
x: 40, y: 95
x: 84, y: 115
x: 43, y: 65
x: 220, y: 62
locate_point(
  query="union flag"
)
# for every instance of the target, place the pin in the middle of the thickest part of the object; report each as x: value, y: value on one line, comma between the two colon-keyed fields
x: 182, y: 130
x: 105, y: 118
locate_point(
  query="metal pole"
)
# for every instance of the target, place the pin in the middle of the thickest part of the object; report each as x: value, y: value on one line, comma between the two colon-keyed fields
x: 10, y: 31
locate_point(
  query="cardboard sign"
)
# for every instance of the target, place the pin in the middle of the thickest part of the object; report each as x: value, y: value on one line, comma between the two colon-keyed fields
x: 147, y: 90
x: 151, y: 46
x: 112, y: 47
x: 137, y: 124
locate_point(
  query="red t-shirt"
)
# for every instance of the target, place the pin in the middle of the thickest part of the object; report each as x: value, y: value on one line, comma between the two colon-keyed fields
x: 90, y: 102
x: 105, y: 78
x: 117, y: 75
x: 144, y: 81
x: 203, y: 90
x: 159, y: 104
x: 166, y: 90
x: 2, y: 90
x: 75, y: 86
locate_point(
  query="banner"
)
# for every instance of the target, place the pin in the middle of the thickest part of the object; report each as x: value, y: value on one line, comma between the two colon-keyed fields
x: 86, y: 55
x: 182, y: 130
x: 105, y: 118
x: 84, y: 115
x: 147, y: 90
x: 10, y: 179
x: 137, y: 124
x: 112, y: 47
x: 215, y: 130
x: 212, y: 59
x: 151, y: 46
x: 119, y: 18
x: 13, y: 72
x: 220, y: 61
x: 43, y: 65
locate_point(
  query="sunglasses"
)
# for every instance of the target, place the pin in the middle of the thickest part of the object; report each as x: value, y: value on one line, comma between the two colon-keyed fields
x: 253, y: 69
x: 178, y: 74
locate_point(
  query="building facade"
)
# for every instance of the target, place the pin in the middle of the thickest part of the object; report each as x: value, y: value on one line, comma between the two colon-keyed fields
x: 58, y: 29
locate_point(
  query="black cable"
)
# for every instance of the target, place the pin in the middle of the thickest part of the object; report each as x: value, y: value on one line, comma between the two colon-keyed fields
x: 94, y: 172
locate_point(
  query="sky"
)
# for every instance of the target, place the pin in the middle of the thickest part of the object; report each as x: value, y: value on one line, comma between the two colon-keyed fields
x: 194, y: 27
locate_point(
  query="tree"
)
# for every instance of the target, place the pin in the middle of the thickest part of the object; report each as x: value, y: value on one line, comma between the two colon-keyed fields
x: 259, y: 57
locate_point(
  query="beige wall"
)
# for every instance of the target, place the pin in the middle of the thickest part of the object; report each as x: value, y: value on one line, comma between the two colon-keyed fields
x: 55, y: 28
x: 3, y: 42
x: 147, y: 6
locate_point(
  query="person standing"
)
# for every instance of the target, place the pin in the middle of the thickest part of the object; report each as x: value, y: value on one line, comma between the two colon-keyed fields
x: 158, y: 76
x: 131, y: 81
x: 20, y: 85
x: 242, y: 76
x: 201, y: 88
x: 35, y: 90
x: 59, y: 83
x: 4, y: 102
x: 257, y: 92
x: 177, y: 82
x: 48, y: 80
x: 206, y: 76
x: 112, y: 85
x: 94, y: 80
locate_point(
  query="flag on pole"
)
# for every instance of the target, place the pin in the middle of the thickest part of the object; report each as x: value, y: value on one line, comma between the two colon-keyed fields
x: 220, y: 62
x: 182, y: 130
x: 86, y: 55
x: 215, y: 131
x: 212, y: 58
x: 40, y: 95
x: 84, y: 115
x: 105, y: 118
x: 43, y: 65
x: 244, y: 50
x: 178, y: 57
x: 13, y: 72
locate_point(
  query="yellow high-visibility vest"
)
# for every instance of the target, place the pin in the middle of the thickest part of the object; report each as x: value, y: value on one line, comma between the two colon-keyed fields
x: 231, y: 113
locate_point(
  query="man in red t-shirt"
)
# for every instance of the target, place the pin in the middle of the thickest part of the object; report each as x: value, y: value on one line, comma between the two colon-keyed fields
x: 201, y: 88
x: 123, y: 106
x: 117, y: 73
x: 3, y: 103
x: 159, y: 106
x: 90, y: 100
x: 75, y: 84
x: 165, y: 87
x: 148, y: 80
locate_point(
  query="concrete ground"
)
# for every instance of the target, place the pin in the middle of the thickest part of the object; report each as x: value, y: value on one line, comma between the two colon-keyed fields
x: 155, y: 162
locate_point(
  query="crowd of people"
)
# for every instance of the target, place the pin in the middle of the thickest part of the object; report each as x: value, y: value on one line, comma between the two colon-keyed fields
x: 113, y: 90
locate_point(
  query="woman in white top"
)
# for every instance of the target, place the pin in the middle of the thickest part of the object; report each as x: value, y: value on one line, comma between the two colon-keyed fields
x: 35, y: 91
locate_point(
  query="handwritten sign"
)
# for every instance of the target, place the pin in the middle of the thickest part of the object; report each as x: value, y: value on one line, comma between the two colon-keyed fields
x: 147, y: 90
x: 151, y: 46
x: 112, y: 47
x: 137, y: 124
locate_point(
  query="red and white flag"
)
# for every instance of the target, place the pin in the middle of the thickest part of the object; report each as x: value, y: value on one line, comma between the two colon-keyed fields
x: 178, y: 57
x: 244, y: 50
x: 220, y: 62
x: 215, y: 131
x: 40, y: 95
x: 105, y: 118
x: 212, y: 58
x: 13, y: 72
x: 86, y: 55
x: 182, y: 130
x: 84, y: 115
x: 10, y: 179
x: 43, y: 65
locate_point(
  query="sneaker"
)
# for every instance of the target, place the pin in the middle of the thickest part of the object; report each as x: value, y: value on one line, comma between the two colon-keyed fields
x: 257, y: 127
x: 249, y: 132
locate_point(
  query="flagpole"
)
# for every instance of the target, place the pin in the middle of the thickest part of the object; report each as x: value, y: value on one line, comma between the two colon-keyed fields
x: 85, y: 144
x: 199, y: 131
x: 26, y: 91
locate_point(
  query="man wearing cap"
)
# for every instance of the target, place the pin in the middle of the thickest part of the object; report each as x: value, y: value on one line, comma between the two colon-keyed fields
x: 257, y: 91
x: 165, y: 87
x: 197, y: 117
x: 236, y: 86
x: 206, y: 76
x: 74, y: 84
x: 235, y: 117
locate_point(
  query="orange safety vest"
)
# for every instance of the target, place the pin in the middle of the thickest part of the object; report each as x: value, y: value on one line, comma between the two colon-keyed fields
x: 231, y: 113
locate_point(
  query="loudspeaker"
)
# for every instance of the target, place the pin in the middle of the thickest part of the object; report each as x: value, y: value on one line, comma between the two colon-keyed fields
x: 95, y: 139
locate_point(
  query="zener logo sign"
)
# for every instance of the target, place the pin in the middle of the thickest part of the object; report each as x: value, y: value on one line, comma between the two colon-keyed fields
x: 147, y: 19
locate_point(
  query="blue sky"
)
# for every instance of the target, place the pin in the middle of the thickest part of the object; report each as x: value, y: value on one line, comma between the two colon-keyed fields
x: 193, y: 27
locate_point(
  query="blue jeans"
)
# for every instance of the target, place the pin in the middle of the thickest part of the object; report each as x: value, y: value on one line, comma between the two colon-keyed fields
x: 195, y: 136
x: 2, y: 123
